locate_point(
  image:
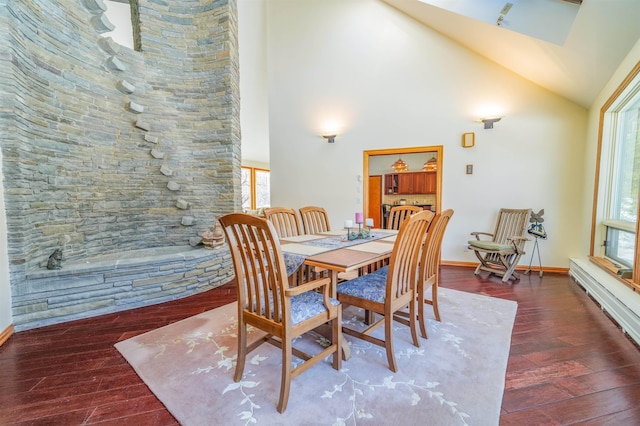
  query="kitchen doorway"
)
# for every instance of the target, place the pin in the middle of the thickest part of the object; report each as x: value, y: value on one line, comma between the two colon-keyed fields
x: 379, y: 173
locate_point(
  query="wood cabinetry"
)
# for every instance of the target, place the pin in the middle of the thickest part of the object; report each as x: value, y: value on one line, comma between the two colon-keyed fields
x: 391, y: 183
x: 405, y: 183
x: 431, y: 182
x: 410, y: 183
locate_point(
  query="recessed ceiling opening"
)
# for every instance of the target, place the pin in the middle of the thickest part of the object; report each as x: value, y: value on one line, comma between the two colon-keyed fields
x: 548, y: 20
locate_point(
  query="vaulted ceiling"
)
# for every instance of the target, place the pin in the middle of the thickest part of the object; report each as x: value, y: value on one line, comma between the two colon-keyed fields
x: 602, y: 34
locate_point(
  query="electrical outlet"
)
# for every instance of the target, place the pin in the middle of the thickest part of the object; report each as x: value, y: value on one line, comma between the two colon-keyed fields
x: 466, y: 247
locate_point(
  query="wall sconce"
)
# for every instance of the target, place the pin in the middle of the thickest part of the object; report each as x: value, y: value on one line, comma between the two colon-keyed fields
x: 488, y: 122
x: 330, y: 138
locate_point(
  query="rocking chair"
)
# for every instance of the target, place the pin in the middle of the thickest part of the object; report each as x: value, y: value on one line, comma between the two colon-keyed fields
x: 500, y: 254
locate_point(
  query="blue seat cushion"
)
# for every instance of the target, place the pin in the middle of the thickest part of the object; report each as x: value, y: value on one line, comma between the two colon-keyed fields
x: 369, y: 287
x: 382, y: 271
x: 308, y: 305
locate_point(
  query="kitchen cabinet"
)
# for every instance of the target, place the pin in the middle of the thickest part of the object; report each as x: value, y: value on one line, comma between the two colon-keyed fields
x: 410, y: 183
x: 391, y: 183
x: 430, y: 182
x: 405, y: 183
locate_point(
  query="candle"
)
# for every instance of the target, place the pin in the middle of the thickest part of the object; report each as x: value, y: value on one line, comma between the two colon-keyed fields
x: 359, y: 217
x: 348, y: 224
x: 369, y: 222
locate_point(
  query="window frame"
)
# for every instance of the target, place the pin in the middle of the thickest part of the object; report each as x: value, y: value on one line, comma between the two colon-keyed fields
x: 605, y: 179
x: 252, y: 177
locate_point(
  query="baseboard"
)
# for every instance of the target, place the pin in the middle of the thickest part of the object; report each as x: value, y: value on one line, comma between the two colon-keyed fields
x: 620, y: 302
x: 519, y: 268
x: 4, y: 336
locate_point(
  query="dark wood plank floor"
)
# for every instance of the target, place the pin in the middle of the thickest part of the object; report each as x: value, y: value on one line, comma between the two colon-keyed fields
x: 569, y: 363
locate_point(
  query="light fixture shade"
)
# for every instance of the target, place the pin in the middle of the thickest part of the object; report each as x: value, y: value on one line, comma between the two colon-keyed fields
x: 400, y: 166
x: 488, y: 122
x: 430, y: 165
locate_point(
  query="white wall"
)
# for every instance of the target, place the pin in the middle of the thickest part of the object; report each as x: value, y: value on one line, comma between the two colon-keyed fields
x: 5, y: 289
x: 254, y: 117
x: 383, y: 81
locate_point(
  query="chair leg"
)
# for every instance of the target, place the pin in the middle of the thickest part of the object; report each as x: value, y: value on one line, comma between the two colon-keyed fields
x: 434, y: 301
x: 285, y: 382
x: 477, y: 271
x: 421, y: 319
x: 412, y: 322
x: 242, y: 350
x: 388, y: 342
x: 510, y: 267
x: 336, y: 335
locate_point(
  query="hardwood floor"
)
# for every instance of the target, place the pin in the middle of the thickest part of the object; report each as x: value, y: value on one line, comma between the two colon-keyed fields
x: 569, y: 363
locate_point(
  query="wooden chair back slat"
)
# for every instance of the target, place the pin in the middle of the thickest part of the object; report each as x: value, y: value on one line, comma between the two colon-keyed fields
x: 430, y: 258
x: 511, y: 223
x: 403, y: 265
x: 259, y: 264
x: 314, y: 220
x: 285, y: 221
x: 398, y: 214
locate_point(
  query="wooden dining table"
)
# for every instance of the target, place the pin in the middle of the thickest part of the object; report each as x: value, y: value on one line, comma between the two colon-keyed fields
x: 333, y: 252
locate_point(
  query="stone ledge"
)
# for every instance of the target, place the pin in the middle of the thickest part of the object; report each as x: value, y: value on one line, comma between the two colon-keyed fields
x: 117, y: 282
x: 125, y: 259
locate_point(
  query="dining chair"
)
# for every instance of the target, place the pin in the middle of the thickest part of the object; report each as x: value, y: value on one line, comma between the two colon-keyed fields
x: 314, y: 220
x: 428, y: 273
x: 430, y: 267
x: 387, y: 294
x: 500, y: 251
x: 399, y: 214
x: 268, y: 303
x: 285, y: 221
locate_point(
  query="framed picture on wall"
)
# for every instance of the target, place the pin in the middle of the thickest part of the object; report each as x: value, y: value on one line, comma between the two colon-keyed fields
x: 468, y: 139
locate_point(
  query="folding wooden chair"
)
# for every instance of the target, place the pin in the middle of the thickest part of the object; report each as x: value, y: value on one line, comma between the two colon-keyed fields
x: 500, y: 254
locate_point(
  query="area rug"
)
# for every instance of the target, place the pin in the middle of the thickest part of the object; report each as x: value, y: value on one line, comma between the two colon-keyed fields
x: 456, y: 377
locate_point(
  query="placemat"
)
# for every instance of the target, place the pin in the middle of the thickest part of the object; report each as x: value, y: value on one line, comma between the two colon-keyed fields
x: 376, y: 247
x: 304, y: 249
x: 301, y: 238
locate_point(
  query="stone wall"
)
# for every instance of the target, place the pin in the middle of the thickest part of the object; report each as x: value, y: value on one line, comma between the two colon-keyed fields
x: 107, y: 149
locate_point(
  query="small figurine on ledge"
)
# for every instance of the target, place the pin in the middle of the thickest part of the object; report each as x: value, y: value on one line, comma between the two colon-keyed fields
x: 55, y: 260
x: 215, y: 238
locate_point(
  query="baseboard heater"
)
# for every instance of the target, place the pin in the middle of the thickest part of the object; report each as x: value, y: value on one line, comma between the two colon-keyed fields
x: 618, y: 300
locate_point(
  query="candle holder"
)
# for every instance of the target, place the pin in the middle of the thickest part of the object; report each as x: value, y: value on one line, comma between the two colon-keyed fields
x: 360, y: 235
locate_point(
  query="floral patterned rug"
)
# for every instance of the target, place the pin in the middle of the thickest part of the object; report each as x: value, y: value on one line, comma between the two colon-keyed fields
x: 456, y: 377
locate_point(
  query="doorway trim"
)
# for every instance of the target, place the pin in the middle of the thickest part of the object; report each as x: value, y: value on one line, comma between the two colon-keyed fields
x: 439, y: 149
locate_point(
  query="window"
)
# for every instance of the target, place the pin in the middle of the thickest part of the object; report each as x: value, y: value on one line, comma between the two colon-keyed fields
x: 619, y: 172
x: 245, y: 182
x: 256, y: 190
x: 262, y: 189
x: 124, y: 17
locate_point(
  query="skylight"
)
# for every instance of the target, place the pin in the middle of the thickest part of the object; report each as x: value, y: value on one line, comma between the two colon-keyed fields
x: 548, y: 20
